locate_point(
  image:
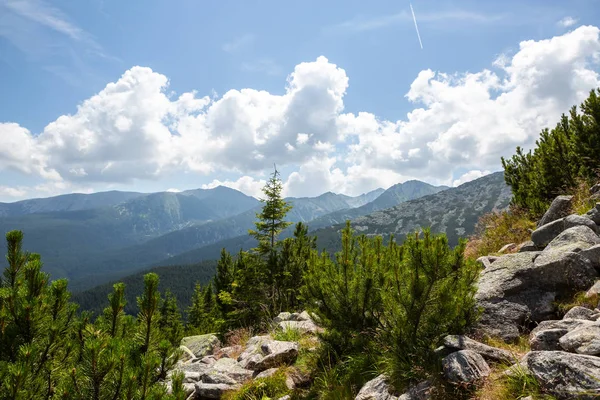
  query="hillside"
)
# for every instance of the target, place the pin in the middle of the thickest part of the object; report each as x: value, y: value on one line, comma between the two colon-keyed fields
x: 180, y: 280
x: 454, y: 211
x: 394, y: 195
x: 67, y: 202
x: 72, y: 241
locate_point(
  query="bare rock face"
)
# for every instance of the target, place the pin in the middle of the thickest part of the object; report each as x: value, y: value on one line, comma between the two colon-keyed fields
x: 465, y: 366
x: 566, y: 375
x: 263, y: 353
x: 201, y: 345
x: 376, y: 389
x: 559, y: 208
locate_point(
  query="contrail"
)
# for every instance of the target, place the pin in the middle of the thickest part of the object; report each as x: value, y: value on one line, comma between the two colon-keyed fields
x: 416, y: 27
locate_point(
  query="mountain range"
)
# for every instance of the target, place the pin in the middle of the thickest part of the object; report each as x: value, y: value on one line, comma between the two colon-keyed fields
x: 96, y: 238
x: 453, y: 211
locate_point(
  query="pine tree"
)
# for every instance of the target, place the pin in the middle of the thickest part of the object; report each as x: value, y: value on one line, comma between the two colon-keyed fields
x: 271, y: 220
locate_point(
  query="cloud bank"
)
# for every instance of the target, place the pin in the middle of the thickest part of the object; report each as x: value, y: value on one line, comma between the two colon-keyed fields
x: 460, y: 126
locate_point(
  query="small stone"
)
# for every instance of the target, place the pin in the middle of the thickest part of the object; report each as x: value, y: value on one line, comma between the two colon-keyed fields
x: 465, y: 366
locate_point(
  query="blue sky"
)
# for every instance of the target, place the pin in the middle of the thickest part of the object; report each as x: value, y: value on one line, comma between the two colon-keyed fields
x: 376, y: 110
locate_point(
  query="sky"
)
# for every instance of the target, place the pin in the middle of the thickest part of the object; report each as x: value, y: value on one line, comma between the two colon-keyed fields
x: 151, y: 95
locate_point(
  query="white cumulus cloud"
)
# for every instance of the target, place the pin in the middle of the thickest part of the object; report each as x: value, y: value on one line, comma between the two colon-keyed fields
x: 135, y: 129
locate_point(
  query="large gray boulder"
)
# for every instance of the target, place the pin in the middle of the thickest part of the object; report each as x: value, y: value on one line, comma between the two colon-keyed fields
x: 566, y: 375
x: 227, y: 367
x: 583, y: 340
x: 201, y: 345
x: 465, y: 366
x: 263, y: 353
x: 545, y: 233
x: 578, y: 220
x: 461, y: 342
x: 560, y: 207
x: 594, y: 214
x: 213, y: 390
x: 376, y: 389
x: 518, y: 289
x: 547, y: 334
x: 575, y: 238
x: 579, y: 312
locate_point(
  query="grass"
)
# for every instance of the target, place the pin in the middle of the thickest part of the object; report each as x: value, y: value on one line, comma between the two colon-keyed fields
x: 288, y: 334
x: 579, y: 299
x: 581, y: 202
x: 271, y: 387
x: 518, y: 348
x: 494, y: 230
x: 517, y: 385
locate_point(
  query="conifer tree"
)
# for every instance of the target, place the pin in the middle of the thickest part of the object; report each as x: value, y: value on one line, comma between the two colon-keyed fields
x: 271, y: 220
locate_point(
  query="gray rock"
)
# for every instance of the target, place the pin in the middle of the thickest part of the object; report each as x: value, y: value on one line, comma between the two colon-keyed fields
x: 579, y: 312
x: 560, y: 207
x: 283, y: 316
x: 218, y: 378
x: 576, y: 238
x: 304, y: 316
x: 253, y: 347
x: 594, y: 214
x: 376, y: 389
x: 521, y: 288
x: 578, y: 220
x: 286, y: 397
x: 594, y: 290
x: 465, y: 366
x: 566, y: 375
x: 547, y: 334
x: 595, y: 188
x: 277, y: 353
x: 421, y: 391
x: 592, y: 254
x: 267, y: 373
x: 301, y: 326
x: 583, y: 340
x: 186, y: 354
x: 201, y: 345
x: 460, y: 342
x: 213, y: 390
x: 527, y: 246
x: 230, y: 368
x: 484, y: 261
x: 545, y: 233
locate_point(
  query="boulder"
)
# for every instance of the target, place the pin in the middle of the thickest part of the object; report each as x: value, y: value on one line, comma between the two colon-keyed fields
x: 575, y: 238
x: 566, y: 375
x: 547, y: 334
x: 527, y: 246
x: 583, y: 340
x: 422, y: 391
x: 521, y: 288
x: 201, y: 345
x: 594, y: 214
x: 376, y: 389
x: 213, y: 390
x: 578, y: 220
x: 283, y: 316
x: 593, y: 291
x: 579, y: 312
x: 460, y: 342
x: 227, y: 367
x: 277, y: 353
x: 486, y: 261
x: 560, y: 207
x: 301, y: 326
x: 545, y: 233
x: 592, y: 254
x: 465, y: 366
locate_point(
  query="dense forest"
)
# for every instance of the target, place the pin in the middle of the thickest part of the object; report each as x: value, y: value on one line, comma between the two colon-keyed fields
x: 384, y: 306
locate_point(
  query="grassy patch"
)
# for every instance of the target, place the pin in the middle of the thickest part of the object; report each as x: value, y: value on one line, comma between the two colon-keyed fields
x: 494, y: 230
x: 581, y: 202
x: 238, y: 336
x: 288, y: 334
x: 271, y: 387
x: 519, y: 384
x: 518, y: 349
x: 578, y: 300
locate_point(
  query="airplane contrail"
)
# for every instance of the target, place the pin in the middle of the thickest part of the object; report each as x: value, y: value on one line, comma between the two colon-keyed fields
x: 416, y: 27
